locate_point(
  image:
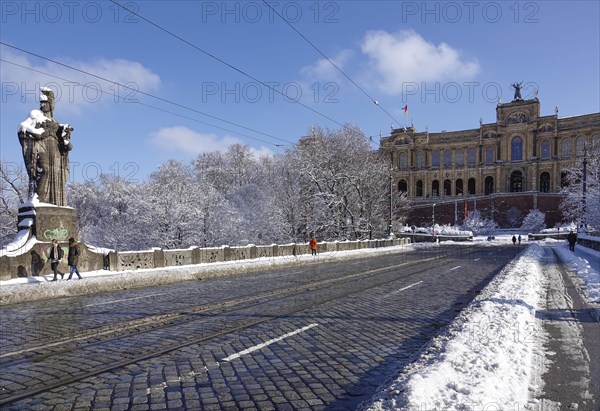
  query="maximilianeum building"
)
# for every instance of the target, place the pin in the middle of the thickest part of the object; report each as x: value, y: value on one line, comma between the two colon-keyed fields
x: 503, y: 169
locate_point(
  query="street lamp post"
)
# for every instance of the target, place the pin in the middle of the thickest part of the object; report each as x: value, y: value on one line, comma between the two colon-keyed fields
x: 391, y: 207
x: 433, y: 220
x: 584, y: 183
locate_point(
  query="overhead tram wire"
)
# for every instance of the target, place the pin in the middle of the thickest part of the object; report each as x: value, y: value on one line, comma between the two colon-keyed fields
x: 333, y: 64
x: 125, y: 99
x: 143, y: 93
x: 225, y: 63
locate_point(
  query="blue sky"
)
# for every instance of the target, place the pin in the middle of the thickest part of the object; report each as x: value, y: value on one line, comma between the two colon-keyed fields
x: 449, y: 62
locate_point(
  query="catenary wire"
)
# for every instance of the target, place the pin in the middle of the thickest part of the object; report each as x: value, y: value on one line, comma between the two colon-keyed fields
x: 126, y: 99
x: 142, y: 92
x: 333, y: 64
x: 224, y: 62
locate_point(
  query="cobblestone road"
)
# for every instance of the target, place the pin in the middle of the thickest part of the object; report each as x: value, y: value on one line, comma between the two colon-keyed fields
x: 320, y: 337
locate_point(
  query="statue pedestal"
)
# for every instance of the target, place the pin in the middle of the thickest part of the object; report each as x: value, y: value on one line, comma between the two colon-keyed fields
x: 45, y: 222
x: 50, y: 222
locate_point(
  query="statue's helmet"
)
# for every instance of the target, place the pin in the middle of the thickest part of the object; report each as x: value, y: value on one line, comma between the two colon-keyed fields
x: 47, y: 98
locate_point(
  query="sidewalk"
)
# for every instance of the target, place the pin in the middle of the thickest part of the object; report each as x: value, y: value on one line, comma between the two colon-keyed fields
x: 571, y: 378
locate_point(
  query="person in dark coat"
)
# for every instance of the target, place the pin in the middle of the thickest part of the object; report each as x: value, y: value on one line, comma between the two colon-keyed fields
x: 572, y: 239
x: 73, y: 258
x: 514, y: 240
x: 55, y: 255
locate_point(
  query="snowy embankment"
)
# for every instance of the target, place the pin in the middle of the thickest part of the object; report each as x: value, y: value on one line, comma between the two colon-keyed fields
x: 488, y: 358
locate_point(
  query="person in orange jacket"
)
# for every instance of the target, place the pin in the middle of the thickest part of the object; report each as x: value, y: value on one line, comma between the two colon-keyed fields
x: 313, y: 245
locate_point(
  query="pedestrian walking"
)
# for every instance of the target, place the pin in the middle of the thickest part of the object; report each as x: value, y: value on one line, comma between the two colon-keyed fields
x: 514, y: 240
x: 73, y: 258
x: 55, y: 255
x: 313, y: 245
x: 572, y: 239
x: 519, y: 239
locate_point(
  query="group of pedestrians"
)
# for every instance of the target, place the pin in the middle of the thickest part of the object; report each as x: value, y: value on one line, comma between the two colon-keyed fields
x: 571, y: 239
x: 56, y: 254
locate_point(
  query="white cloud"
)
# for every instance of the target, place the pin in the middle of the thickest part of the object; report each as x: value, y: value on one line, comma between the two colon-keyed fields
x: 397, y: 58
x: 323, y: 70
x: 74, y: 90
x: 183, y: 139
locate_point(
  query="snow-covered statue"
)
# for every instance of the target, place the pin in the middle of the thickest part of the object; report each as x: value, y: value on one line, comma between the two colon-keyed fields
x: 46, y: 145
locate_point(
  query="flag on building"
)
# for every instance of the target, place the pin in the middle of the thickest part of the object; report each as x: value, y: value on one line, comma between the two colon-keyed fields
x: 405, y: 109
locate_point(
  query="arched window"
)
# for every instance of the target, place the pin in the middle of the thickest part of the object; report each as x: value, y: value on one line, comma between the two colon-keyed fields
x: 420, y: 159
x: 419, y: 188
x: 472, y: 156
x: 516, y: 149
x: 447, y: 158
x: 435, y: 188
x: 471, y: 186
x: 402, y: 161
x: 460, y: 157
x: 447, y: 187
x: 545, y: 182
x: 545, y: 150
x: 489, y: 155
x: 402, y: 186
x: 489, y: 185
x: 565, y: 146
x: 458, y: 187
x: 564, y: 179
x: 516, y: 182
x: 435, y: 158
x: 580, y: 145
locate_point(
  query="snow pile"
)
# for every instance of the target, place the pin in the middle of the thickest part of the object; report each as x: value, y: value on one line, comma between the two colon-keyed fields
x: 488, y: 358
x: 588, y: 277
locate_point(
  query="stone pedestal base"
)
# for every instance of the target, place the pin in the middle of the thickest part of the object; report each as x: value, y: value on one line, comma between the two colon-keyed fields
x: 46, y: 222
x: 50, y: 222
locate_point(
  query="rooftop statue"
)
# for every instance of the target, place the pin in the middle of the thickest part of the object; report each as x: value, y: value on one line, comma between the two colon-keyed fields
x: 517, y: 87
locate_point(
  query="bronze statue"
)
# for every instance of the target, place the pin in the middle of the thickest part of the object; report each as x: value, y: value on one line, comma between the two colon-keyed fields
x: 46, y: 145
x: 517, y: 87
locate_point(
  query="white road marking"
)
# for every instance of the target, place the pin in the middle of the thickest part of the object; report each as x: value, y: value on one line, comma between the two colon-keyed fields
x: 477, y: 259
x: 452, y: 269
x: 405, y: 288
x: 267, y: 343
x: 124, y: 299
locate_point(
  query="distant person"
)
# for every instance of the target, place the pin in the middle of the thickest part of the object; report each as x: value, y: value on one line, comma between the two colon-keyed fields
x: 73, y: 258
x: 313, y: 245
x: 572, y: 239
x: 514, y: 240
x: 519, y: 239
x: 56, y: 254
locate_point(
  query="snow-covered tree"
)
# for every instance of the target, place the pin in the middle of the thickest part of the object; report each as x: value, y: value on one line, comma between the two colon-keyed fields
x: 13, y: 192
x: 343, y: 185
x: 573, y: 207
x: 478, y: 224
x: 534, y: 221
x: 173, y: 207
x: 109, y: 212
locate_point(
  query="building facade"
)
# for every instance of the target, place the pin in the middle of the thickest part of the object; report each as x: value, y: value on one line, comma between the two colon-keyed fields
x: 522, y: 154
